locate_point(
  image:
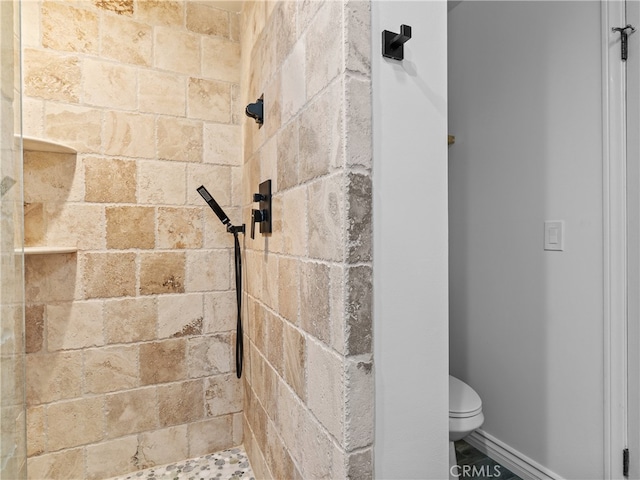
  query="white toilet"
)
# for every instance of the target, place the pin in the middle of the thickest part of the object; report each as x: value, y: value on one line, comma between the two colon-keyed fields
x: 465, y: 415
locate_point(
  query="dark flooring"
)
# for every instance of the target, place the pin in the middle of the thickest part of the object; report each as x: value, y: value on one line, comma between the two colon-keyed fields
x: 477, y: 466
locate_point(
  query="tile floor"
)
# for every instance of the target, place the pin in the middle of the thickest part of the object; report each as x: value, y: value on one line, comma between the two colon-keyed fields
x: 485, y: 468
x: 232, y: 464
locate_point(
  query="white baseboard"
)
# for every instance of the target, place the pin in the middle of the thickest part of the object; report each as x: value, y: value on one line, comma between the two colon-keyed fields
x: 510, y: 458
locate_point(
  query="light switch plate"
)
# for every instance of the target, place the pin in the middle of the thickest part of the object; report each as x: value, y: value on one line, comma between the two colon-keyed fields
x: 554, y: 235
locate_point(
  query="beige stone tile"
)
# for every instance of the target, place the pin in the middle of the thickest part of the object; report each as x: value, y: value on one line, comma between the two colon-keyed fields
x: 180, y: 402
x: 236, y: 186
x: 32, y: 116
x: 215, y: 234
x: 36, y: 439
x: 288, y: 156
x: 314, y: 300
x: 223, y: 395
x: 288, y: 288
x: 221, y: 59
x: 65, y: 426
x: 117, y: 275
x: 31, y: 31
x: 281, y: 463
x: 208, y: 270
x: 358, y: 122
x: 131, y: 412
x: 222, y: 144
x: 234, y: 26
x: 51, y: 75
x: 160, y: 92
x: 78, y: 127
x: 177, y: 51
x: 327, y: 218
x: 130, y: 320
x: 210, y: 355
x: 130, y: 227
x: 359, y: 310
x: 161, y: 12
x: 209, y: 100
x: 205, y: 19
x: 67, y: 28
x: 126, y: 40
x: 179, y: 139
x: 109, y: 180
x: 180, y: 316
x: 273, y: 104
x: 293, y: 84
x: 121, y: 7
x: 161, y: 183
x: 220, y: 312
x: 34, y: 328
x: 51, y: 177
x: 210, y: 436
x: 75, y: 225
x: 74, y: 325
x: 294, y: 241
x: 217, y: 180
x: 106, y: 84
x: 357, y: 24
x: 162, y: 272
x: 34, y: 224
x: 129, y: 134
x: 359, y: 404
x: 163, y: 446
x: 163, y: 361
x: 270, y: 279
x: 360, y: 229
x: 51, y: 278
x: 110, y: 369
x: 324, y: 57
x: 179, y: 228
x: 294, y: 347
x: 337, y: 300
x: 65, y: 465
x: 114, y: 457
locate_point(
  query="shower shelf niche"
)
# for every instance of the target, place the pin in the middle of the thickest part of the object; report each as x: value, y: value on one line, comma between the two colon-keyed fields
x: 33, y: 144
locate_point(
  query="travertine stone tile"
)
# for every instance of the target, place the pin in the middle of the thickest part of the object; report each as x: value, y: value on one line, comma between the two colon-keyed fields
x: 208, y: 270
x: 70, y: 29
x: 283, y: 24
x: 205, y: 19
x: 217, y: 180
x: 180, y: 316
x: 209, y: 100
x: 288, y: 288
x: 130, y: 227
x: 126, y: 41
x: 33, y: 117
x: 117, y: 275
x: 177, y: 51
x: 357, y: 18
x: 110, y: 369
x: 307, y: 9
x: 274, y: 338
x: 161, y: 182
x: 34, y: 224
x: 359, y: 229
x: 210, y: 436
x: 237, y: 426
x: 30, y: 31
x: 215, y: 234
x: 36, y: 438
x: 338, y: 300
x: 79, y: 225
x: 294, y: 347
x: 114, y: 457
x: 326, y: 218
x: 281, y: 463
x: 74, y: 325
x: 359, y: 404
x: 163, y: 446
x: 219, y: 312
x: 51, y: 177
x: 129, y: 134
x: 65, y: 426
x: 130, y: 320
x: 288, y: 156
x: 161, y: 12
x: 68, y: 464
x: 210, y: 355
x: 359, y: 306
x: 180, y: 402
x: 163, y: 361
x: 358, y: 122
x: 293, y: 84
x: 109, y: 180
x: 107, y: 84
x: 179, y: 139
x: 270, y: 277
x: 78, y: 127
x: 160, y: 92
x: 51, y: 75
x: 162, y: 272
x: 131, y: 412
x: 121, y: 7
x: 34, y: 328
x: 179, y: 228
x: 220, y: 58
x: 324, y: 53
x: 314, y: 300
x: 51, y: 278
x: 294, y: 208
x: 222, y: 144
x: 223, y: 394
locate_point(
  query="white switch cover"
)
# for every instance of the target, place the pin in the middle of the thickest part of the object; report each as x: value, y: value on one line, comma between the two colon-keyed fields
x: 554, y: 235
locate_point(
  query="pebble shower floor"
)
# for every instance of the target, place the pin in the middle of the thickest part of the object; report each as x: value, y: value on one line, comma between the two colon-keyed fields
x: 232, y: 464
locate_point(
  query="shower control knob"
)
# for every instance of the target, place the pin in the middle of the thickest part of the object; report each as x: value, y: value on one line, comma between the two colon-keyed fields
x: 257, y: 216
x: 258, y: 197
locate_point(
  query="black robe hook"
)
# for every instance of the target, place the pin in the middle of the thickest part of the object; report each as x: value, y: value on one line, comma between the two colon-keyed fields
x: 393, y: 43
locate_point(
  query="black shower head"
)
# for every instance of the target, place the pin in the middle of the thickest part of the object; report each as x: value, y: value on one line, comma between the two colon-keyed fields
x: 255, y: 111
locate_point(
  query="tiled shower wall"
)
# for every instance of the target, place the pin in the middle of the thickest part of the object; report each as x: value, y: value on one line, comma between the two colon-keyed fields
x: 308, y: 401
x: 130, y: 340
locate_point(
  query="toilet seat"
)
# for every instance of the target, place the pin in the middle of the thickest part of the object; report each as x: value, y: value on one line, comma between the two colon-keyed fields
x: 464, y: 402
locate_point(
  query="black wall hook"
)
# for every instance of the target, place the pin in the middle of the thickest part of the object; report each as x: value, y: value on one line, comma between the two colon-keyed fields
x: 393, y: 43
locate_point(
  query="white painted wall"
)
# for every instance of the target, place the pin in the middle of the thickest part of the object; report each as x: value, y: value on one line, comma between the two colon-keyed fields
x: 527, y: 325
x: 410, y: 244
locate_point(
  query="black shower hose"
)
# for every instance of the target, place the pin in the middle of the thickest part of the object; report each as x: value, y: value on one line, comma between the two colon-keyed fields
x: 239, y: 346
